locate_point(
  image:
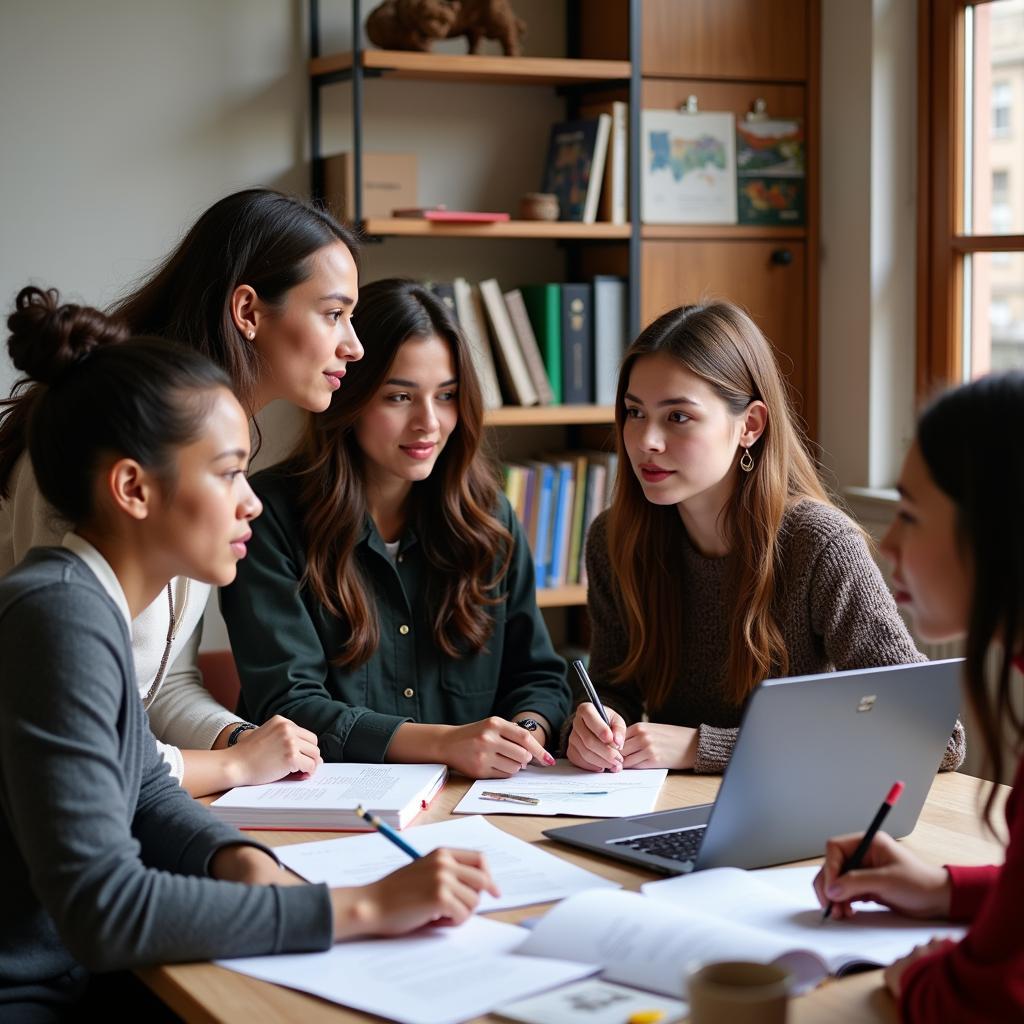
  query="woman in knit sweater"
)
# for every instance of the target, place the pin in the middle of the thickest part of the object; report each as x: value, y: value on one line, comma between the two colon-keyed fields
x: 108, y: 864
x: 721, y: 561
x: 958, y: 558
x: 264, y: 285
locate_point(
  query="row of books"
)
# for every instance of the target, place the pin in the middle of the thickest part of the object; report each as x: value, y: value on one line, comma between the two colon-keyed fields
x: 556, y: 499
x: 587, y: 164
x: 542, y: 344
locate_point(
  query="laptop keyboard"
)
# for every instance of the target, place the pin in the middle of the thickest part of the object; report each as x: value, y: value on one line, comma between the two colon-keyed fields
x: 679, y: 844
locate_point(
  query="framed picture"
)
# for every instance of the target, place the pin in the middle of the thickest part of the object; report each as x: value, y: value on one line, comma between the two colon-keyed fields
x: 689, y: 167
x: 770, y: 171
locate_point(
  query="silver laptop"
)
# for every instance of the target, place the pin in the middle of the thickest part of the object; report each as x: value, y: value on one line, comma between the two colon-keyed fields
x: 815, y: 757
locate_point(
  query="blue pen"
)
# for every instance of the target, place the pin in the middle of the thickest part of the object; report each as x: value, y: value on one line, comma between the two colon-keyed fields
x: 387, y: 832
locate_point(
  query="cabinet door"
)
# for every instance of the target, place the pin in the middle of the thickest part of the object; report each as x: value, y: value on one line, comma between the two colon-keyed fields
x: 755, y: 39
x: 765, y: 278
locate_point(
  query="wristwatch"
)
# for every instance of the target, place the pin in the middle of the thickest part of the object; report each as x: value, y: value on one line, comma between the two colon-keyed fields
x: 531, y: 725
x: 237, y: 731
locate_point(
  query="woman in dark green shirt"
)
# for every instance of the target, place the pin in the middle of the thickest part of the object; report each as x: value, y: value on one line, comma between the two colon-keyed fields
x: 387, y: 603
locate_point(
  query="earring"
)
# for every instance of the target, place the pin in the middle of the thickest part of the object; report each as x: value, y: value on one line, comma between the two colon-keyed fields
x: 746, y: 461
x: 250, y: 334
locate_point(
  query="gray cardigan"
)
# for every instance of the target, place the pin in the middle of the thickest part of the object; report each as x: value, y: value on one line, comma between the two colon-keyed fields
x: 103, y: 856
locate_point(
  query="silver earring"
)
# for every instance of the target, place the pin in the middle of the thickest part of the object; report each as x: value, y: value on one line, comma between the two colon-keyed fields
x: 746, y: 461
x: 250, y: 334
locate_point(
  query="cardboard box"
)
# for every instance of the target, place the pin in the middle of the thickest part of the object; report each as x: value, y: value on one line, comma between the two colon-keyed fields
x: 389, y: 182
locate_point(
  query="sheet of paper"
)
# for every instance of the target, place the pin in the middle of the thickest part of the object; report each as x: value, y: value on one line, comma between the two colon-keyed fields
x: 781, y: 901
x: 590, y: 1002
x: 524, y: 873
x: 642, y: 943
x: 439, y: 976
x: 565, y: 789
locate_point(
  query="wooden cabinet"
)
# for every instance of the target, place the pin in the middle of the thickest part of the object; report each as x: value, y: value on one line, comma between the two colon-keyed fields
x: 746, y: 39
x: 767, y: 278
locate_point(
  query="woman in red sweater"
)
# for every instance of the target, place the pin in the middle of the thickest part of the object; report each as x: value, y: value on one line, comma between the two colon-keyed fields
x: 957, y: 551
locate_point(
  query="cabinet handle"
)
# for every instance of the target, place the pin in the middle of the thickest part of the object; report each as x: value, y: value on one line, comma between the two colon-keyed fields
x: 782, y: 257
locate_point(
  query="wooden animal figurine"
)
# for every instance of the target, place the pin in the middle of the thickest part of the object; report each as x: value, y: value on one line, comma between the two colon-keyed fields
x: 416, y: 24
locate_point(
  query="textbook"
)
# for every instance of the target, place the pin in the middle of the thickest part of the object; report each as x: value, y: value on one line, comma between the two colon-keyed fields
x: 721, y: 914
x: 327, y: 802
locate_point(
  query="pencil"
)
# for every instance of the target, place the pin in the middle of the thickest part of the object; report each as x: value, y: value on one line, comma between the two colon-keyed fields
x: 387, y: 832
x: 590, y: 689
x: 865, y: 844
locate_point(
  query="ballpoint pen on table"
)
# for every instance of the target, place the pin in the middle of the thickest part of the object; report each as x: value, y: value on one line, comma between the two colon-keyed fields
x: 387, y: 832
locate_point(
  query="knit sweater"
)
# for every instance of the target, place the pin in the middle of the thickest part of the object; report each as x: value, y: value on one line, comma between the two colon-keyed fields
x: 182, y: 714
x: 105, y: 858
x: 831, y: 605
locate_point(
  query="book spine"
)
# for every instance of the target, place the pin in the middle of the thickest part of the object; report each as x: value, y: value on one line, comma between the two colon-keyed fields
x: 528, y: 345
x: 544, y: 306
x: 467, y: 306
x: 609, y: 335
x: 577, y: 382
x: 546, y: 483
x: 563, y: 522
x: 604, y: 126
x: 572, y: 574
x: 509, y: 354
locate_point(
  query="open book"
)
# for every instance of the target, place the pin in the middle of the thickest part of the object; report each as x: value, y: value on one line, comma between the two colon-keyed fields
x: 652, y: 941
x: 327, y: 802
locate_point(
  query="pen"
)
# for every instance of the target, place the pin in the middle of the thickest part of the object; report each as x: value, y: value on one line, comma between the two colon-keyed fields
x: 864, y: 845
x: 387, y: 832
x: 591, y: 691
x: 514, y: 798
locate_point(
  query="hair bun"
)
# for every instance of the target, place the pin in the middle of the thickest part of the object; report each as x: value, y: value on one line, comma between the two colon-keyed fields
x: 47, y: 339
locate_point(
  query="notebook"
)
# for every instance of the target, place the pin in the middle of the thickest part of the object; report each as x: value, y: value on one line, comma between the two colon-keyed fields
x: 652, y: 941
x: 396, y: 793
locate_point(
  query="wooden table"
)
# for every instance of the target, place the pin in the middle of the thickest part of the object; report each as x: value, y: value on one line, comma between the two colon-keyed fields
x: 949, y: 831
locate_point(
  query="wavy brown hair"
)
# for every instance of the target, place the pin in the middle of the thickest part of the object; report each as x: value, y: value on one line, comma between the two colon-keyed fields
x: 967, y: 438
x: 719, y: 343
x: 452, y: 511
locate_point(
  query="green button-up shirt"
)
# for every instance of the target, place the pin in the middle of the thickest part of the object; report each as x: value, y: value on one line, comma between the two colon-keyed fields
x: 283, y: 640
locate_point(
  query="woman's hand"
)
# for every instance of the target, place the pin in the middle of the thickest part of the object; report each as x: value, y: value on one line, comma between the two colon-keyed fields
x: 441, y: 888
x: 276, y: 749
x: 652, y: 745
x: 889, y: 875
x: 594, y: 746
x: 895, y: 971
x: 493, y: 748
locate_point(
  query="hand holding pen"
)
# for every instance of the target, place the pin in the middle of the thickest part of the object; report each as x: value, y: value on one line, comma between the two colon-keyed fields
x: 595, y: 743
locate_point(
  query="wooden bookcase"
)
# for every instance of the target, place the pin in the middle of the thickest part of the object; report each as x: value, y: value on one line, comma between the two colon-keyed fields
x: 653, y: 54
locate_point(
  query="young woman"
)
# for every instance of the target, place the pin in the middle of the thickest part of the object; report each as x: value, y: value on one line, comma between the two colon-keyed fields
x: 387, y: 604
x: 264, y: 285
x: 108, y: 863
x: 721, y: 561
x: 958, y: 560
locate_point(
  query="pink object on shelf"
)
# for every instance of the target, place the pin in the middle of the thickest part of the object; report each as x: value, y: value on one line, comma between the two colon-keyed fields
x: 443, y: 216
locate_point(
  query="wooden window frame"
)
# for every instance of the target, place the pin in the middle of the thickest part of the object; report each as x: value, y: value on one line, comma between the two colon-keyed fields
x: 941, y: 242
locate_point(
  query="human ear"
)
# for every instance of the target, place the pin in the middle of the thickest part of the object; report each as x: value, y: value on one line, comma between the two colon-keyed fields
x: 131, y: 488
x: 755, y: 419
x: 245, y: 310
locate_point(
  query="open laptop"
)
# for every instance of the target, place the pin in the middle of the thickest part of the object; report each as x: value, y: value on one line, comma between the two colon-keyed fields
x: 815, y: 757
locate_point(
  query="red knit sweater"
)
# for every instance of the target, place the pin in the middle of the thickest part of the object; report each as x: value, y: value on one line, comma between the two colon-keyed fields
x: 980, y: 979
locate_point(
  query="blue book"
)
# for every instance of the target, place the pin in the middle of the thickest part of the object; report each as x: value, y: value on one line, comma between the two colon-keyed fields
x: 545, y: 485
x: 562, y: 524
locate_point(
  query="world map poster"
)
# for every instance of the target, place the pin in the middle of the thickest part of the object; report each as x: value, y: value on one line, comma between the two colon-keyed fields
x: 689, y: 168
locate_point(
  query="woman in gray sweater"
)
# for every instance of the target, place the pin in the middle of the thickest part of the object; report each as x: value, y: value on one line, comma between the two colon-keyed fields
x: 109, y: 864
x: 721, y: 561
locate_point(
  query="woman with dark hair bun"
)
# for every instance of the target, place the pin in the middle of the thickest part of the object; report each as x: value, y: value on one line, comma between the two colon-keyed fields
x: 140, y: 447
x: 388, y: 602
x: 264, y: 285
x: 957, y: 552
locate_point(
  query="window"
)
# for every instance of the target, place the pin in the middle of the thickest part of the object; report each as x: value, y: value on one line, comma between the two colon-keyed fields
x: 971, y: 207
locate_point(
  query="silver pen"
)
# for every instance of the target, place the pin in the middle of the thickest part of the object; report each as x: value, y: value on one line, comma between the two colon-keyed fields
x: 591, y: 691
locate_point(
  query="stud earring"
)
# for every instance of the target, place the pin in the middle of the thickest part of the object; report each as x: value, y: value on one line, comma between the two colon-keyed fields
x: 746, y: 461
x: 250, y: 334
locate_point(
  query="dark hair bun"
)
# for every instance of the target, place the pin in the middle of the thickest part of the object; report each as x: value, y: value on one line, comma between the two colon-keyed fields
x: 48, y: 339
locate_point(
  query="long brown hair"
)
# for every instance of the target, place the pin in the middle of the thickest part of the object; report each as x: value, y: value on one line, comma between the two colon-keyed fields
x: 967, y: 439
x: 451, y: 511
x: 719, y: 343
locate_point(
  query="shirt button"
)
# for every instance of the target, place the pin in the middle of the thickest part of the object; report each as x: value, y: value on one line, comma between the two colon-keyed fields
x: 403, y: 629
x: 408, y: 691
x: 401, y: 558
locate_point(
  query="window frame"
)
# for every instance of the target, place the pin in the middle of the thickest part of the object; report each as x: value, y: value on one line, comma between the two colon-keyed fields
x: 942, y: 245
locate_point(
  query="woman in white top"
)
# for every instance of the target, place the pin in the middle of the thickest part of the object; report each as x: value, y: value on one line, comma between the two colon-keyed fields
x: 264, y: 285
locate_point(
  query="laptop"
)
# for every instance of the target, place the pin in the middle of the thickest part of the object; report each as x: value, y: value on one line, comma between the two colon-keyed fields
x: 815, y: 757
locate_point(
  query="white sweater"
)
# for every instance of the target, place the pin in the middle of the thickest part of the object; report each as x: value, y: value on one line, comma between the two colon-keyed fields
x: 182, y: 714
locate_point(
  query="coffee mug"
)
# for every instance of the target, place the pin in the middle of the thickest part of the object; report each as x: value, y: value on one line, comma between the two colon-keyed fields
x: 739, y: 992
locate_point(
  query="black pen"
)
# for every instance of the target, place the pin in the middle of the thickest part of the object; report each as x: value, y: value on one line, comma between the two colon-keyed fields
x: 865, y: 844
x: 591, y: 691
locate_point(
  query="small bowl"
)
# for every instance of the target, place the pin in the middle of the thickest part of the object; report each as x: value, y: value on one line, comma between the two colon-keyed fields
x: 539, y: 206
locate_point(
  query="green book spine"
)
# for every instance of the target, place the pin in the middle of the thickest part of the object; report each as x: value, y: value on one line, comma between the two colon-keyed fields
x: 544, y: 306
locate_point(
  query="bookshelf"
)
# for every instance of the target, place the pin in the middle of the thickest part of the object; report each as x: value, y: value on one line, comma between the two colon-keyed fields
x: 549, y: 415
x: 565, y: 231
